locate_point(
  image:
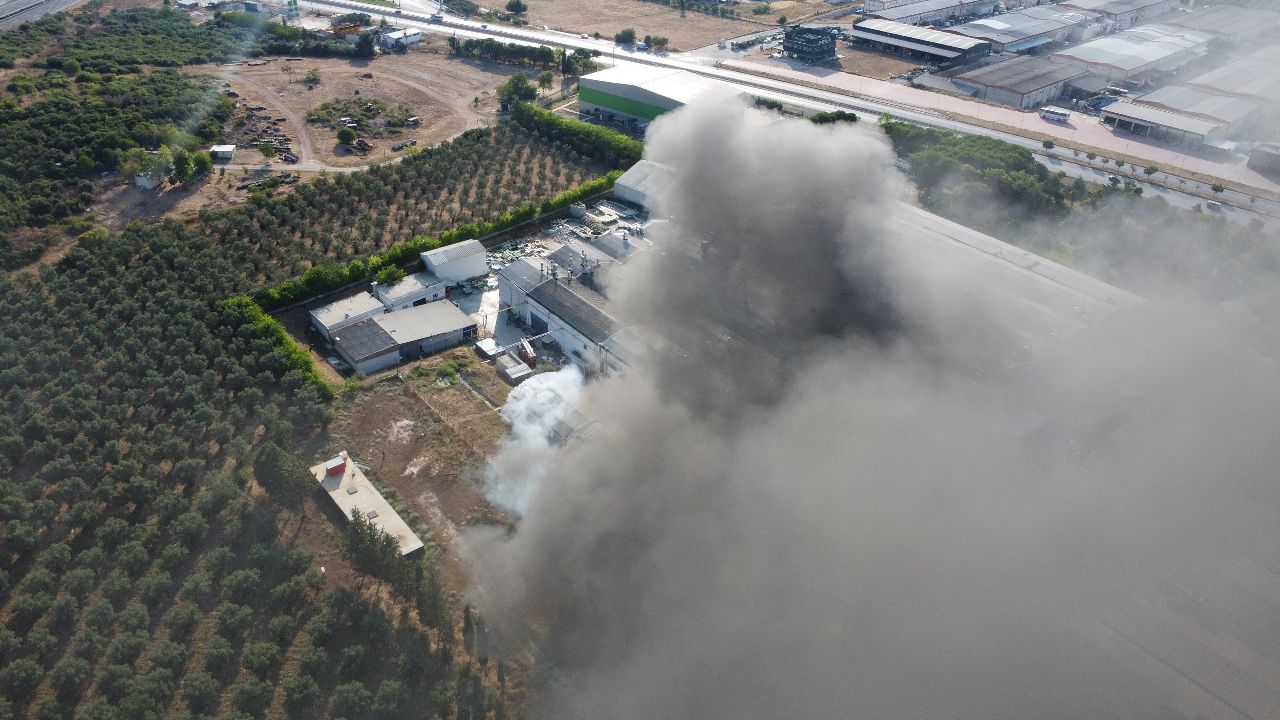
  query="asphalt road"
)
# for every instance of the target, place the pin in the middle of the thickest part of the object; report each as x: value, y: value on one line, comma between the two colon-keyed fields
x: 16, y: 12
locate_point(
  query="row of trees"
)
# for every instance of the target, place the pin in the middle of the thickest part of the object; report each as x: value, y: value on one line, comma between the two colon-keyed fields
x: 613, y: 148
x: 508, y: 53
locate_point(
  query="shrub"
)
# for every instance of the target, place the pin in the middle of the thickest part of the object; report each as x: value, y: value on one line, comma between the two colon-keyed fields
x: 252, y: 696
x: 351, y: 699
x: 201, y: 691
x: 261, y: 658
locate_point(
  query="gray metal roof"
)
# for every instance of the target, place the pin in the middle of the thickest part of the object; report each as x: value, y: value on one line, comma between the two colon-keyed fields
x: 574, y: 309
x: 577, y: 257
x: 339, y: 310
x: 1022, y: 25
x: 456, y: 251
x: 1022, y: 74
x: 1113, y: 7
x: 1252, y: 76
x: 1189, y: 100
x: 424, y: 321
x: 1228, y: 20
x: 883, y: 28
x: 927, y: 6
x: 410, y: 284
x: 523, y: 274
x: 1127, y: 110
x: 364, y: 340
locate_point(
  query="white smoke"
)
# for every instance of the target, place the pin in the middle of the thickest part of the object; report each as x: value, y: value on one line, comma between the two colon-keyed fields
x: 534, y: 409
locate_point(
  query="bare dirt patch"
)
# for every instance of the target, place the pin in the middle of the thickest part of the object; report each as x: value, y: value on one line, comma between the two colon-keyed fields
x: 118, y: 201
x: 880, y: 66
x: 428, y: 439
x: 607, y: 17
x: 449, y: 96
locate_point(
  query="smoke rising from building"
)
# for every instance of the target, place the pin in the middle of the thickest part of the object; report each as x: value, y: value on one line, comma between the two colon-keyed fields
x: 860, y: 481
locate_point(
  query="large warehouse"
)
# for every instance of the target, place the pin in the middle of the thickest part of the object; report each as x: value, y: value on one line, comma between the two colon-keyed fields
x: 1031, y: 28
x: 1024, y: 82
x: 932, y: 11
x: 383, y: 341
x: 1137, y: 53
x: 1252, y: 77
x: 1232, y: 112
x: 1162, y: 125
x: 933, y: 45
x: 1228, y: 22
x: 644, y: 92
x: 1125, y: 12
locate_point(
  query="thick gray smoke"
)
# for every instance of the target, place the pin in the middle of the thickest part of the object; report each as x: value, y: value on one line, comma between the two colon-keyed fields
x: 863, y: 477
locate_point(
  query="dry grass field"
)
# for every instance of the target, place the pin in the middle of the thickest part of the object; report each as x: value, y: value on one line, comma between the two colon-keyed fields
x: 646, y: 18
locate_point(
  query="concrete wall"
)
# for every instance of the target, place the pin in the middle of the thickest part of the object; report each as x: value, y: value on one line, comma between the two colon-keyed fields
x: 389, y: 359
x: 437, y: 343
x: 585, y: 354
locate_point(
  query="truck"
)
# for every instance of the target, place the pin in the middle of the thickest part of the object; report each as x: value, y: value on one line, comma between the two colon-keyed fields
x: 1055, y: 114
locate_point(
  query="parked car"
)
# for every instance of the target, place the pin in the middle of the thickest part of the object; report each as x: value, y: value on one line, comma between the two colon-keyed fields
x: 1213, y: 205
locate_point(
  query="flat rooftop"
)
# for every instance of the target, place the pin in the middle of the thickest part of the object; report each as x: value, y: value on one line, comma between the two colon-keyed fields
x: 345, y: 308
x: 352, y: 492
x: 923, y: 6
x: 1022, y: 74
x: 1253, y: 76
x: 1114, y: 7
x: 883, y: 29
x: 424, y: 321
x: 676, y: 85
x: 410, y: 285
x: 1191, y: 101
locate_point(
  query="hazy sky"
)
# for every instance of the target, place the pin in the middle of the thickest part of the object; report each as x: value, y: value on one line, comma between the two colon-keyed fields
x: 849, y: 487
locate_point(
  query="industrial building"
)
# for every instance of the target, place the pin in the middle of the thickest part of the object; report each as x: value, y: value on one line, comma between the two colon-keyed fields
x: 643, y: 92
x: 574, y: 316
x: 1137, y: 54
x: 1231, y: 112
x: 1265, y: 159
x: 345, y: 312
x: 1228, y: 22
x: 1023, y: 82
x: 810, y: 45
x: 1124, y: 13
x: 417, y: 289
x: 1032, y: 28
x: 515, y: 280
x: 873, y: 5
x: 640, y: 183
x: 1252, y: 77
x: 933, y: 11
x: 1163, y: 125
x: 457, y: 262
x: 349, y: 489
x: 933, y: 45
x: 383, y: 341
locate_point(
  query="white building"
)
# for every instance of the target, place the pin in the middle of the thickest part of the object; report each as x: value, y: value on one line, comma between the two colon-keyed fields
x: 641, y: 183
x: 515, y: 280
x: 400, y: 38
x: 413, y: 290
x: 574, y: 317
x: 1137, y: 53
x: 345, y: 312
x: 1125, y: 12
x: 222, y: 152
x: 457, y: 262
x: 642, y: 92
x: 352, y: 492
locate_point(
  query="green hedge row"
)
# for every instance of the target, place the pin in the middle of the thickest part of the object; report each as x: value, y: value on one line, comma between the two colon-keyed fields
x: 327, y: 277
x: 242, y: 310
x: 608, y: 146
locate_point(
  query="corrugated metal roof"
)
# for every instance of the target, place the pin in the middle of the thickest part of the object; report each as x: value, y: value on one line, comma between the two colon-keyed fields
x: 1022, y: 74
x: 410, y: 285
x: 646, y: 178
x: 1228, y: 20
x: 574, y: 310
x: 1252, y: 76
x: 1136, y: 48
x: 1127, y: 110
x: 1183, y: 99
x: 1031, y: 22
x: 923, y: 7
x: 456, y: 251
x: 523, y: 274
x: 1115, y: 7
x: 912, y: 32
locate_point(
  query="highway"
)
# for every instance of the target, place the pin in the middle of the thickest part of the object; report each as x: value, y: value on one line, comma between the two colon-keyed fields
x: 1180, y: 192
x: 16, y: 12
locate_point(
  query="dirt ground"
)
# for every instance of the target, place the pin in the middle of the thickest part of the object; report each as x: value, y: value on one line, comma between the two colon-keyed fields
x: 607, y: 17
x: 117, y: 201
x: 428, y: 438
x: 880, y: 66
x: 439, y: 90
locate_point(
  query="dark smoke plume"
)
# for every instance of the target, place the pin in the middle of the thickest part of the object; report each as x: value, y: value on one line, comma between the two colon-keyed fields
x: 861, y: 478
